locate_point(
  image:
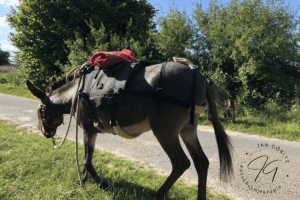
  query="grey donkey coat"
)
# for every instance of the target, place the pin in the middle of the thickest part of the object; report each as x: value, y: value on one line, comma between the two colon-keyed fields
x: 137, y: 114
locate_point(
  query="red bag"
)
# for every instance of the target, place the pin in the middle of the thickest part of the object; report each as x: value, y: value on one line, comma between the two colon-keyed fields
x: 107, y: 59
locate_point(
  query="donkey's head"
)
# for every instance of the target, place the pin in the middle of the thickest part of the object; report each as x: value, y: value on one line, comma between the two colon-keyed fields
x: 49, y: 114
x: 223, y: 99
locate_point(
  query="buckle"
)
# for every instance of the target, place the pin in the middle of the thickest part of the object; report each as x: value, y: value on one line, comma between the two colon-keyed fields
x: 110, y: 99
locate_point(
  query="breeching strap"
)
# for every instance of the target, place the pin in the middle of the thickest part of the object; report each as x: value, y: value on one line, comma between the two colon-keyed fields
x: 192, y: 97
x: 159, y: 89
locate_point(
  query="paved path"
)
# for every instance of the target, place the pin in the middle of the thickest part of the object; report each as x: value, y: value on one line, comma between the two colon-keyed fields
x: 264, y: 168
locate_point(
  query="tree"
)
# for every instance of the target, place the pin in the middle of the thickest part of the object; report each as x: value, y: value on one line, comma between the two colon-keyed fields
x: 4, y: 57
x: 101, y: 40
x: 251, y: 45
x: 43, y: 27
x: 174, y: 33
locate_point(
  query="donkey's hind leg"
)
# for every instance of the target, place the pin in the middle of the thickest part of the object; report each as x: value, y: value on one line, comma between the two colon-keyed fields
x: 190, y: 139
x: 169, y: 140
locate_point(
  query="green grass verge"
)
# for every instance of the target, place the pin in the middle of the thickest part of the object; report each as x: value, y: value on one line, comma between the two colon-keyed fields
x: 31, y: 169
x: 268, y: 125
x: 8, y: 88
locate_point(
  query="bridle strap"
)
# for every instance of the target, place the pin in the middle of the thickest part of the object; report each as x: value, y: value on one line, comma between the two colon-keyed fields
x: 43, y: 121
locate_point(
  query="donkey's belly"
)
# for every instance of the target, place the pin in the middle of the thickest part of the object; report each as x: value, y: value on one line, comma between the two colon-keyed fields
x: 132, y: 118
x: 128, y: 132
x: 132, y: 131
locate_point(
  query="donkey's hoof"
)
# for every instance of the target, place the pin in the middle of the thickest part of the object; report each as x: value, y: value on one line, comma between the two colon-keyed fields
x: 161, y: 197
x: 84, y: 179
x: 112, y: 191
x: 103, y: 185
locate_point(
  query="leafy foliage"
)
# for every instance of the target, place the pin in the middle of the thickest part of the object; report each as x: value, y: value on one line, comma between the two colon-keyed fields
x: 43, y: 26
x: 175, y: 33
x: 252, y: 47
x: 101, y: 40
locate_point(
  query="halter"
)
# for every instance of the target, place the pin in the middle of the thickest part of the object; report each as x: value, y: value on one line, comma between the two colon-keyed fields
x: 43, y: 123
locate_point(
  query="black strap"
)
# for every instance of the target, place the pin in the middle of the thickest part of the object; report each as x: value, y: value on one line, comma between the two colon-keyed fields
x: 113, y: 112
x: 161, y: 97
x: 159, y: 89
x: 156, y: 96
x: 192, y: 97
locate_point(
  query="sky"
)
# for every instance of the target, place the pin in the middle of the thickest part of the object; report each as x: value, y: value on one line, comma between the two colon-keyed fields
x: 189, y: 5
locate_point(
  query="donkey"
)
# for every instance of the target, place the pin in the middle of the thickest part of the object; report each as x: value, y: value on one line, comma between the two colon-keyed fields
x: 137, y: 114
x: 224, y: 100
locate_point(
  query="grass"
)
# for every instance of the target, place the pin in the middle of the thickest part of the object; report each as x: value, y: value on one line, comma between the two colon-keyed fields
x: 31, y: 169
x: 12, y: 89
x: 13, y: 82
x: 270, y: 123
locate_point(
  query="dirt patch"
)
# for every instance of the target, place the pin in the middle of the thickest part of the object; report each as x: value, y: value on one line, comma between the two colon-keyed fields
x: 21, y: 127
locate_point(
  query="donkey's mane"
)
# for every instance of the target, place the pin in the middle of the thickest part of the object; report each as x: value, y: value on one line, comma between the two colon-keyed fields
x: 54, y: 85
x: 223, y: 92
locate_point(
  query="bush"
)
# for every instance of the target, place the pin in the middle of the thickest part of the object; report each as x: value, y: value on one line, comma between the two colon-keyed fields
x: 7, y: 69
x: 13, y: 75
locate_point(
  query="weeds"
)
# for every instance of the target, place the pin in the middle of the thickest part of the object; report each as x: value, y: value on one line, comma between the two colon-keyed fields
x: 8, y: 68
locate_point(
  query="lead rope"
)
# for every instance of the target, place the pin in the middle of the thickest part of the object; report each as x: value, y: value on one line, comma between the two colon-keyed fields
x: 72, y: 112
x: 78, y: 72
x: 77, y: 162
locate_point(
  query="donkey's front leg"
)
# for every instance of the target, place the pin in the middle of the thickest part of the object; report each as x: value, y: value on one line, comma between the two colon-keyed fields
x: 89, y: 145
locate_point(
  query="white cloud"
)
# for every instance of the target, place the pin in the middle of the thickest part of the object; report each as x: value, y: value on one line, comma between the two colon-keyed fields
x: 2, y: 21
x: 8, y: 47
x: 8, y: 3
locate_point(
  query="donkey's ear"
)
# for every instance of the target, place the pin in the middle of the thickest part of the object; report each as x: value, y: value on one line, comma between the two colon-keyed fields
x: 37, y: 92
x: 52, y: 80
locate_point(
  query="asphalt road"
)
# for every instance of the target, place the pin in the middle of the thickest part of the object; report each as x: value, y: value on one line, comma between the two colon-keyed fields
x: 263, y: 168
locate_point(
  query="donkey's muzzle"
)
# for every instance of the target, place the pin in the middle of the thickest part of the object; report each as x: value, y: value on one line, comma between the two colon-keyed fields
x: 49, y: 135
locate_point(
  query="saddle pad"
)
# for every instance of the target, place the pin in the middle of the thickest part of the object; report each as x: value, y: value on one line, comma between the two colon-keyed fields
x: 106, y: 87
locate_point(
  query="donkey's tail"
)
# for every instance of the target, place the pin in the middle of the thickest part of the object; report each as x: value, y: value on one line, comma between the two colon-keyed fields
x: 223, y: 141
